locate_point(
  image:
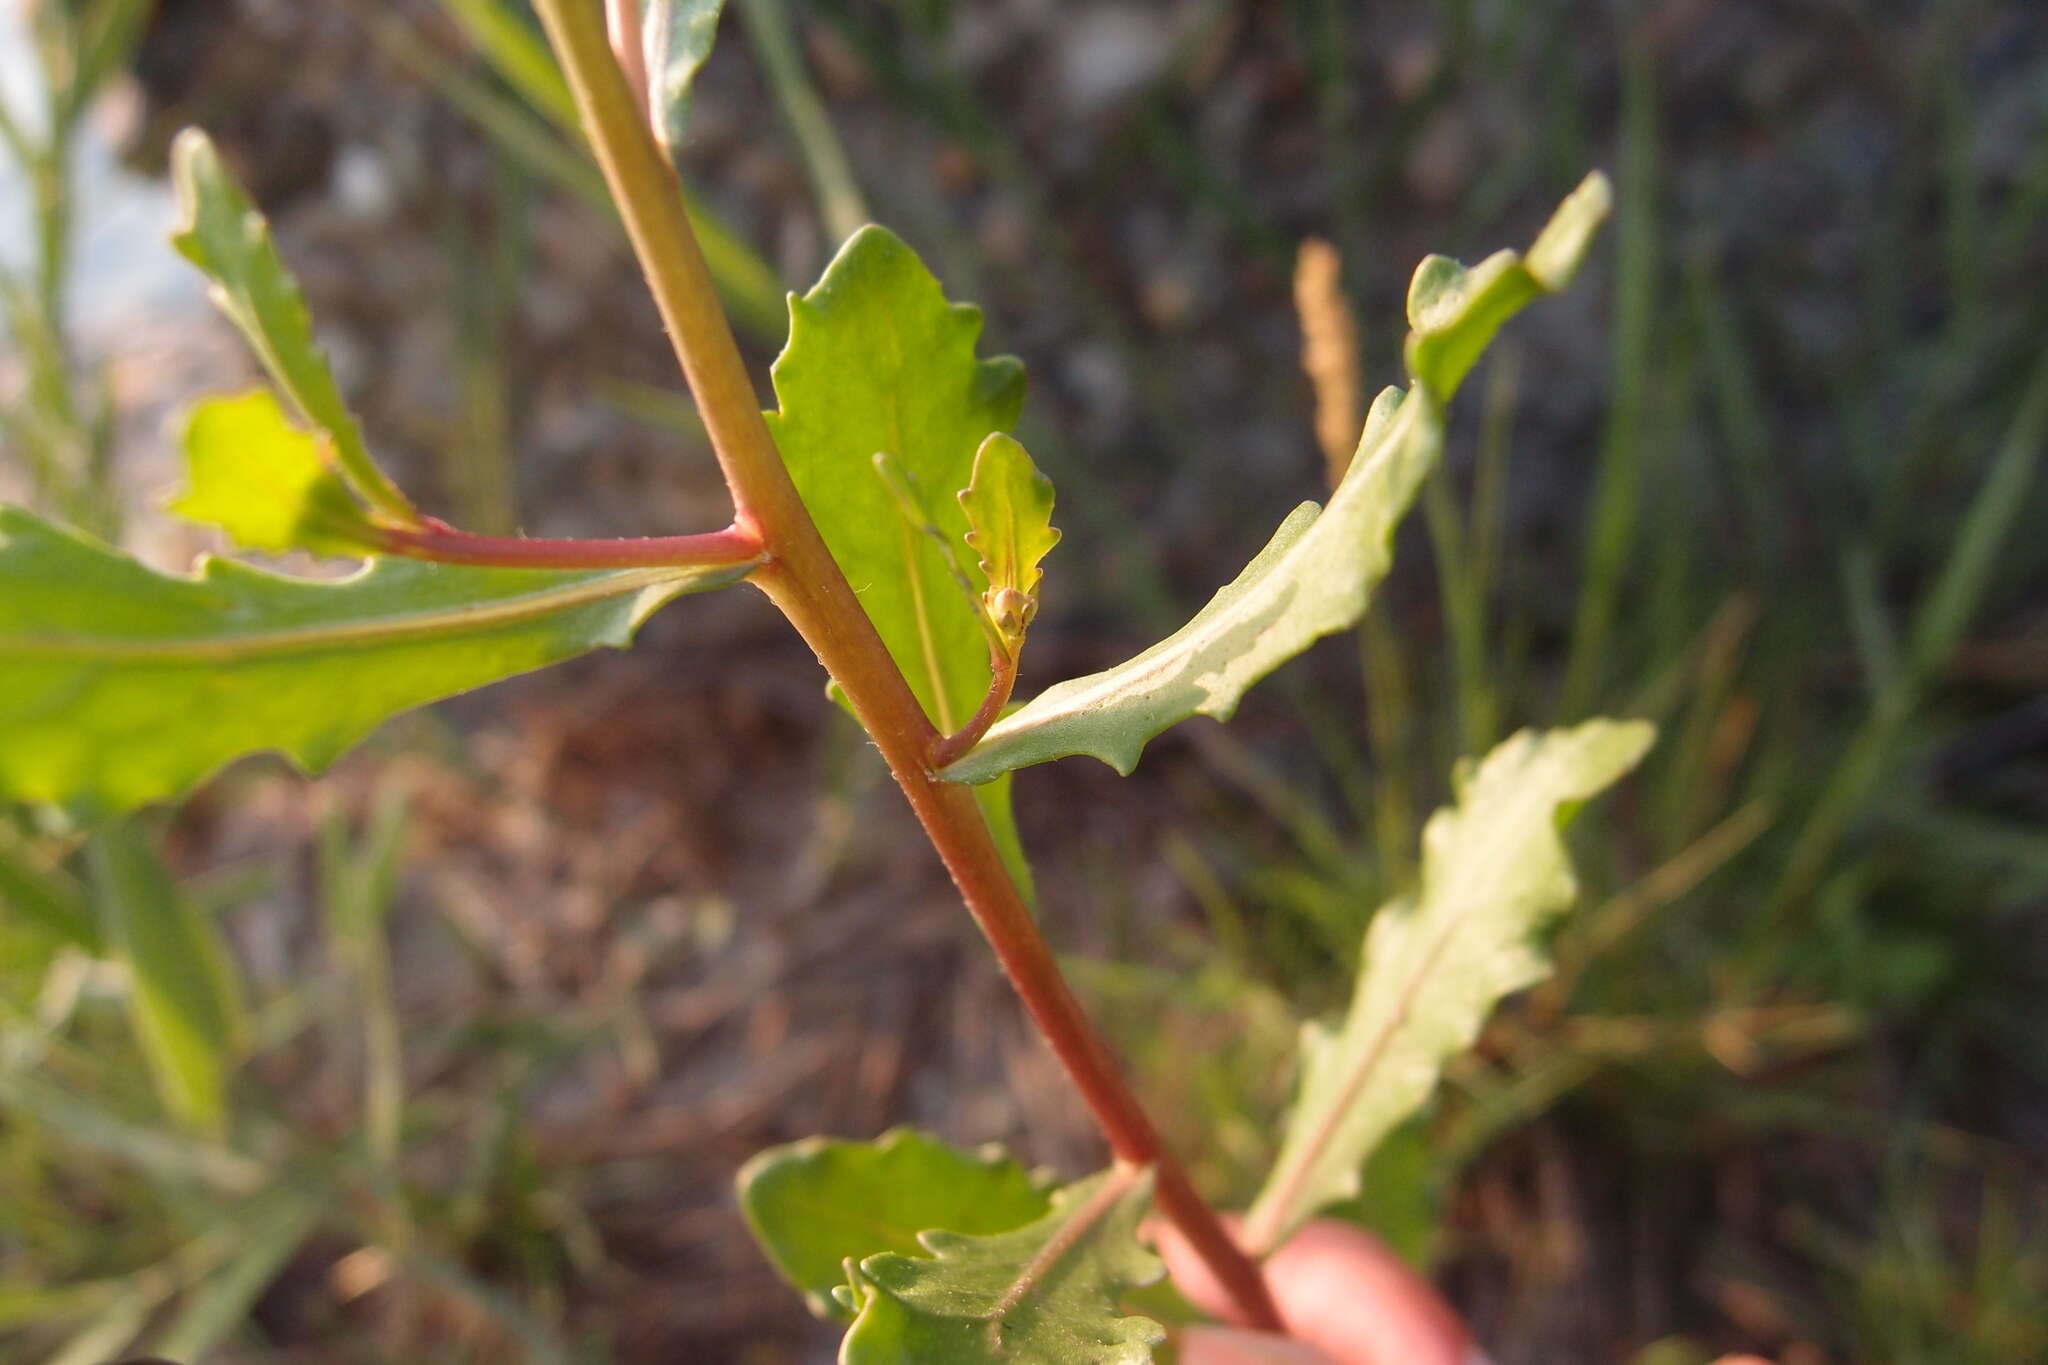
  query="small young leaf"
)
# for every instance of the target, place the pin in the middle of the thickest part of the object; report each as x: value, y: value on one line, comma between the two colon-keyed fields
x: 1494, y: 873
x: 879, y: 362
x: 677, y: 37
x: 1009, y: 524
x: 1047, y: 1293
x: 1315, y: 576
x: 222, y: 233
x: 817, y: 1204
x: 120, y: 686
x: 1455, y: 312
x: 266, y: 483
x: 185, y: 1000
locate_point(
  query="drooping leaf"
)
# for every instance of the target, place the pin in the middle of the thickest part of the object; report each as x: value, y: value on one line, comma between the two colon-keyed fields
x: 1454, y: 312
x: 816, y: 1204
x: 1317, y: 573
x: 1009, y: 524
x: 1315, y: 576
x: 262, y: 480
x: 184, y: 999
x: 1047, y: 1293
x: 879, y: 362
x: 221, y: 232
x: 1494, y: 874
x: 678, y: 35
x: 120, y: 686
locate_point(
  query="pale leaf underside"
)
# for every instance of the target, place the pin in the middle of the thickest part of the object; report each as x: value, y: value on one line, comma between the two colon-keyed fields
x: 1494, y: 874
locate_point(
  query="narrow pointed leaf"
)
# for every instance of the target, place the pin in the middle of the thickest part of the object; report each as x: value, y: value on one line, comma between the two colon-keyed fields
x: 44, y: 897
x: 1494, y: 874
x: 265, y: 482
x: 185, y: 999
x: 1047, y: 1293
x: 1009, y: 525
x: 120, y: 686
x: 1454, y: 312
x: 222, y: 233
x: 1315, y: 576
x: 677, y: 35
x: 816, y: 1204
x: 879, y: 362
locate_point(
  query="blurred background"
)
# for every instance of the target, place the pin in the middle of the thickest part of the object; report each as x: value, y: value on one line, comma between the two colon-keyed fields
x: 475, y: 1030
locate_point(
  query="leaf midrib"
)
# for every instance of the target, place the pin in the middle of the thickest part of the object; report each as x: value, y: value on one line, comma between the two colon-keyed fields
x: 468, y: 618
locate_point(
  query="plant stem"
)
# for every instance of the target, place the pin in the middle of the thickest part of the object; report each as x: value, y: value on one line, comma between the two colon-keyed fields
x: 444, y: 544
x: 805, y: 582
x: 1000, y: 685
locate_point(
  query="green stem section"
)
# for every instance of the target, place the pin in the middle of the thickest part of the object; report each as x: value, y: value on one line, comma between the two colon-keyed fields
x: 804, y: 581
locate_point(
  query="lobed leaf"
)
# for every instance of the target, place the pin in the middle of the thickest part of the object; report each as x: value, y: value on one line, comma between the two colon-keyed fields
x: 1453, y: 312
x: 221, y: 232
x: 1318, y: 572
x: 184, y: 999
x: 1315, y: 576
x: 1009, y: 525
x: 815, y: 1205
x: 878, y: 362
x: 120, y: 686
x: 1047, y: 1293
x: 677, y: 36
x: 1494, y: 874
x: 265, y: 482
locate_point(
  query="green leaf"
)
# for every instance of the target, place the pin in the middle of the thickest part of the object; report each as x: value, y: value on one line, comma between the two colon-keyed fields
x: 120, y: 686
x: 677, y: 35
x: 1009, y: 523
x: 267, y: 483
x: 879, y: 362
x: 221, y: 232
x: 185, y: 999
x: 817, y: 1204
x: 42, y: 896
x: 1455, y: 312
x: 1047, y: 1293
x: 1315, y: 576
x: 1494, y: 874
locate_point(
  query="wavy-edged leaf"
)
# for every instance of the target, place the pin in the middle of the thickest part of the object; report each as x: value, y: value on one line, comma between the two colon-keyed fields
x: 184, y: 997
x: 1453, y: 312
x: 221, y: 232
x: 814, y: 1205
x: 1047, y: 1293
x: 1494, y: 874
x: 1315, y: 576
x: 879, y: 362
x: 1009, y: 525
x: 677, y: 36
x: 266, y: 483
x: 120, y: 685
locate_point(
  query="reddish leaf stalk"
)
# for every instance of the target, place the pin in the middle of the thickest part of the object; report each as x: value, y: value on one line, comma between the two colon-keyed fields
x: 1000, y: 685
x: 804, y: 581
x: 438, y: 541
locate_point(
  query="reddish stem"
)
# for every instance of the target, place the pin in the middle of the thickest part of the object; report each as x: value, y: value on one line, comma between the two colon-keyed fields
x: 951, y: 747
x: 438, y: 541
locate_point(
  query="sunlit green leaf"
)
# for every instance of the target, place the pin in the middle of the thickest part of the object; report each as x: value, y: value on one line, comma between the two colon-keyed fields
x: 120, y: 685
x: 1454, y: 312
x: 1047, y: 1293
x: 1494, y: 874
x: 879, y: 362
x: 266, y: 483
x: 185, y: 998
x: 816, y: 1204
x: 1315, y: 576
x: 678, y: 37
x: 222, y: 233
x: 1009, y: 524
